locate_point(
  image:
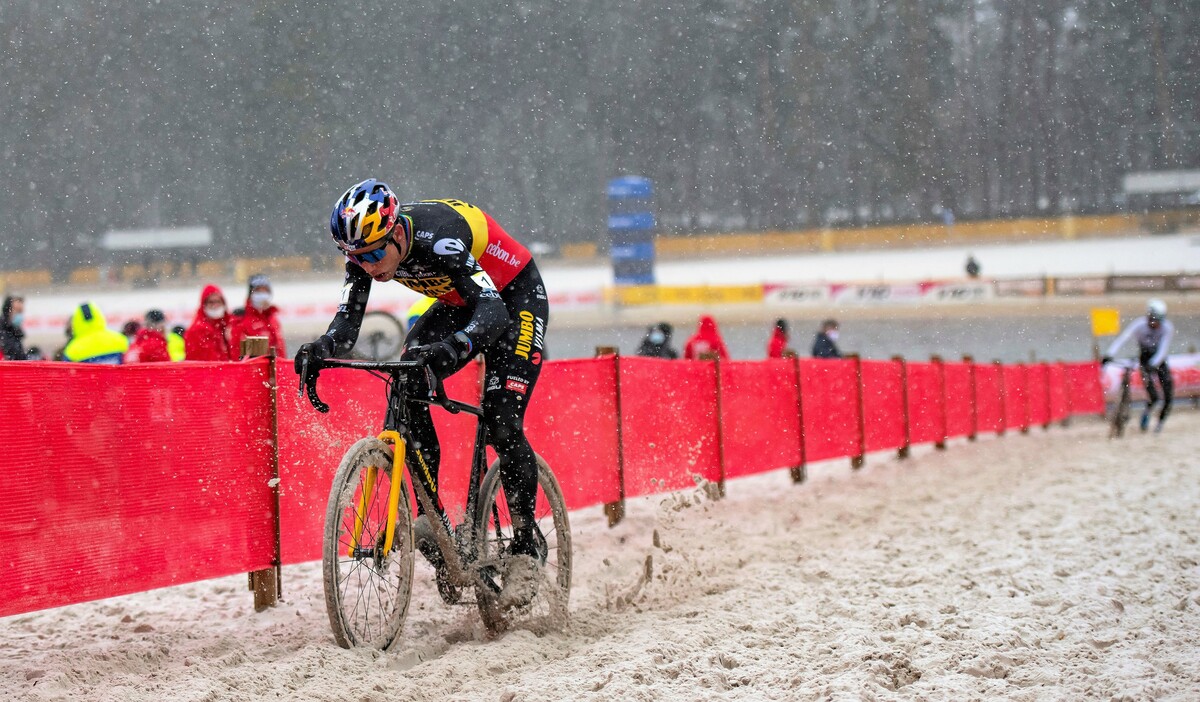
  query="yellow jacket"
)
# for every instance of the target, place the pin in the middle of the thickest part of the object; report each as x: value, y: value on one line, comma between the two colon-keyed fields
x: 175, y: 346
x: 92, y: 341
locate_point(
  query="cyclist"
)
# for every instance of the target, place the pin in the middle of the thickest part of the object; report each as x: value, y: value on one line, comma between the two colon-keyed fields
x: 1153, y: 333
x: 490, y: 301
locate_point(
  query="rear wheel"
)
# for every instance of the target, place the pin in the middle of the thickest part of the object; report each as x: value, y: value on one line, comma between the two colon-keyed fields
x: 1121, y: 412
x: 367, y: 591
x: 548, y: 609
x: 380, y: 337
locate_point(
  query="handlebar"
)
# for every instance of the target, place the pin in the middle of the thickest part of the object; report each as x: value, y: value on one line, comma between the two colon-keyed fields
x: 1127, y: 363
x: 311, y: 367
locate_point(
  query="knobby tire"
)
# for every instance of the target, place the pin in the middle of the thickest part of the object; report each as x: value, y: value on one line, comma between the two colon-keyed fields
x: 367, y: 597
x: 548, y: 610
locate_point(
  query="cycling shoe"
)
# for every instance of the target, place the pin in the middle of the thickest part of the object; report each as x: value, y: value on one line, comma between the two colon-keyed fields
x: 522, y: 576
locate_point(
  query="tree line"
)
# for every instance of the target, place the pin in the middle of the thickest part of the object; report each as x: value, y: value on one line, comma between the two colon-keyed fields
x: 252, y: 117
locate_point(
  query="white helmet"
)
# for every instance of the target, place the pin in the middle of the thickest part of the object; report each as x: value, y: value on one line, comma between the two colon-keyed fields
x: 1156, y: 308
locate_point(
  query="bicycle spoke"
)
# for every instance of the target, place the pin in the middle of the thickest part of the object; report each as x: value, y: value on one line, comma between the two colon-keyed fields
x: 367, y: 592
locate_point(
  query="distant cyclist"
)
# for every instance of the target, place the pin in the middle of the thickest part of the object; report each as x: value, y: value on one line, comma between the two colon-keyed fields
x: 490, y: 301
x: 1153, y: 333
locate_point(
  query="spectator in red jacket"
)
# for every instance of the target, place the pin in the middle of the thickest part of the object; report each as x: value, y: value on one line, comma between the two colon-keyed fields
x: 208, y: 337
x: 779, y: 339
x: 706, y: 340
x: 260, y: 318
x: 150, y: 342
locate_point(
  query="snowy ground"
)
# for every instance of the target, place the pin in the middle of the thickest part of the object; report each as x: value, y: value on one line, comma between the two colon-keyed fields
x: 1050, y: 566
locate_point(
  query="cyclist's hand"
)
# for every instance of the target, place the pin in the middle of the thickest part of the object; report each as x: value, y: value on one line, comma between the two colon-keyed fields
x: 321, y: 348
x: 442, y: 357
x: 1106, y: 360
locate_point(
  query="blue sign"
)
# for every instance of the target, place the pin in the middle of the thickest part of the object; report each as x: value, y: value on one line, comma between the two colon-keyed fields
x: 636, y: 251
x: 631, y: 221
x: 629, y: 186
x: 631, y: 230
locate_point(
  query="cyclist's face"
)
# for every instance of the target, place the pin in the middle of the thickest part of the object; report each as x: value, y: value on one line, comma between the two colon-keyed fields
x: 384, y: 268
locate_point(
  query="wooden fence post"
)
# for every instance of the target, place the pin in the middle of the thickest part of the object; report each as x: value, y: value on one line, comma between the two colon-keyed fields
x: 857, y: 462
x: 974, y: 398
x: 904, y: 450
x: 1025, y: 368
x: 615, y: 511
x: 940, y: 444
x: 1049, y: 396
x: 1066, y: 395
x: 1003, y: 398
x: 267, y: 584
x: 720, y: 427
x: 799, y: 472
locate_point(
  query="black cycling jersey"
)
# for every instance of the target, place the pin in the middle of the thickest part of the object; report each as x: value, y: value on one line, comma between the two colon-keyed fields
x: 457, y: 254
x: 512, y: 365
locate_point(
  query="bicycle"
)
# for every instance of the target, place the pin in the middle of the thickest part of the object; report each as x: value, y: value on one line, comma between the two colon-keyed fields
x: 369, y: 548
x: 1121, y: 412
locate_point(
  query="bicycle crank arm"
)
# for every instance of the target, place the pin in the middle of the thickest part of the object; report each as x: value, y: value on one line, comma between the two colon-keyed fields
x: 455, y: 569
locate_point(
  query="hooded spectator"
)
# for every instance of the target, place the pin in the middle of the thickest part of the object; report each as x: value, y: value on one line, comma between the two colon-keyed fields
x: 706, y: 340
x: 150, y: 343
x: 208, y: 337
x: 825, y: 343
x: 779, y: 339
x: 175, y: 345
x: 657, y: 342
x: 91, y: 339
x: 260, y: 318
x: 12, y: 334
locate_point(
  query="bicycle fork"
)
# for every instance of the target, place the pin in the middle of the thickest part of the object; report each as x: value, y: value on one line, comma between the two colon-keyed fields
x: 393, y: 503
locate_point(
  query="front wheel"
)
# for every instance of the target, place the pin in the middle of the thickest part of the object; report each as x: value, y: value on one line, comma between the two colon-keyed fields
x: 548, y: 609
x: 367, y: 590
x: 1121, y: 412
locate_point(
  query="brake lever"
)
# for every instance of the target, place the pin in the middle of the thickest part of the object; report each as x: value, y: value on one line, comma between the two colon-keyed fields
x: 303, y: 375
x: 308, y: 381
x: 437, y: 392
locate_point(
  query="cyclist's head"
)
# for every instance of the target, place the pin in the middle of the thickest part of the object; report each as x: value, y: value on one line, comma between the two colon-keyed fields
x: 1156, y: 312
x: 364, y: 215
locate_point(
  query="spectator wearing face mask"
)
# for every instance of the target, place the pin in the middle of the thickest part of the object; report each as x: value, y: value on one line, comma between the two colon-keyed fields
x: 208, y: 337
x: 260, y: 318
x: 825, y: 345
x: 657, y: 342
x: 150, y: 342
x: 707, y: 341
x: 11, y: 332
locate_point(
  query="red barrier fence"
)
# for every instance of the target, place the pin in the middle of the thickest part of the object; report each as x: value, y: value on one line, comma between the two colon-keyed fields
x: 119, y: 479
x: 126, y: 478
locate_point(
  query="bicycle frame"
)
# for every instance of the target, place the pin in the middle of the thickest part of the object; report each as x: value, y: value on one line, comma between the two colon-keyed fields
x: 396, y: 432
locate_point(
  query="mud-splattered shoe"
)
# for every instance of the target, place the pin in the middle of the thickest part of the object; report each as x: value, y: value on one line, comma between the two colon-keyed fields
x: 522, y: 575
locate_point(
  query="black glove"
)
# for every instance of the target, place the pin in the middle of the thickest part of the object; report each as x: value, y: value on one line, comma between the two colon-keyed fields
x: 1106, y: 360
x: 443, y: 356
x: 321, y: 348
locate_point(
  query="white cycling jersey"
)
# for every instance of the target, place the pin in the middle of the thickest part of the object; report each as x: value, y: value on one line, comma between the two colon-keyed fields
x: 1153, y: 341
